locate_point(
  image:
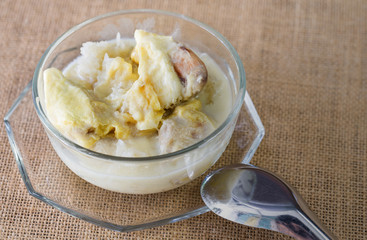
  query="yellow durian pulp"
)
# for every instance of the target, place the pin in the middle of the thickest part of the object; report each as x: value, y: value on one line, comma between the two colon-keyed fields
x: 117, y: 89
x: 74, y: 111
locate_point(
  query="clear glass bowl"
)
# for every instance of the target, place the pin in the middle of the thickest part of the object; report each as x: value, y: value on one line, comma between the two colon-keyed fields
x: 48, y: 179
x: 144, y: 174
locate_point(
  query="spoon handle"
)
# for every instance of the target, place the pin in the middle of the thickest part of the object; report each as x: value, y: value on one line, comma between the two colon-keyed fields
x: 306, y: 225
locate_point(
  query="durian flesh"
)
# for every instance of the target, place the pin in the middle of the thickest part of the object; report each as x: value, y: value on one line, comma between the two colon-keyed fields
x: 117, y: 89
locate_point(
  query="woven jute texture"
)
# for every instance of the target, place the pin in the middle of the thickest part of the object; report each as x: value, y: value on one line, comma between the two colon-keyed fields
x: 306, y: 69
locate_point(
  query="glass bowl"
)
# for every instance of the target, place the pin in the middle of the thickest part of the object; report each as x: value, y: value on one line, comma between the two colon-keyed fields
x: 48, y: 179
x: 141, y: 175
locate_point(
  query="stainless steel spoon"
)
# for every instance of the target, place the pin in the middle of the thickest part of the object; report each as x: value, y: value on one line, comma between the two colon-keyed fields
x: 255, y: 197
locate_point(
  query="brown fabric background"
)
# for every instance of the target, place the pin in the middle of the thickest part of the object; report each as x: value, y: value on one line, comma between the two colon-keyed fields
x: 306, y: 72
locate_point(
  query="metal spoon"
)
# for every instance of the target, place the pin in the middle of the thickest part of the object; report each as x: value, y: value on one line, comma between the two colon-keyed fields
x: 255, y: 197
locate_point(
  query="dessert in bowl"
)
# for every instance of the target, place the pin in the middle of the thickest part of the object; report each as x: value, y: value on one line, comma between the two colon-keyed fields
x: 144, y: 157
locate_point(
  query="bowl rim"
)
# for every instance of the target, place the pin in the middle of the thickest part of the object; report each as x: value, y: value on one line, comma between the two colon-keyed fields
x: 49, y: 126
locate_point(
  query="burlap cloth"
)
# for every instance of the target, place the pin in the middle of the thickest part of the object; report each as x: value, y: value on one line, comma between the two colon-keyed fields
x: 306, y: 72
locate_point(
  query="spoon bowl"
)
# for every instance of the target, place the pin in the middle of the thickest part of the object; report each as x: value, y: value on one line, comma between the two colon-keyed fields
x: 255, y: 197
